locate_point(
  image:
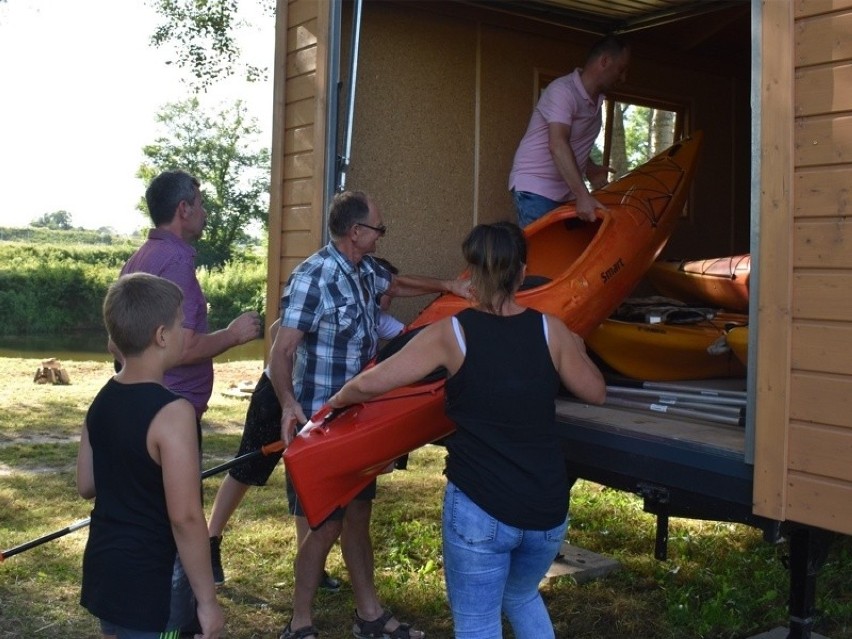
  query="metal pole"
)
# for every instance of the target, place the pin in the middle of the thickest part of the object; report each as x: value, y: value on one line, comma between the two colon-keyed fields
x: 44, y: 539
x: 734, y: 411
x: 688, y: 388
x: 332, y: 116
x: 694, y: 397
x: 701, y: 390
x: 269, y: 449
x: 343, y: 160
x: 673, y: 410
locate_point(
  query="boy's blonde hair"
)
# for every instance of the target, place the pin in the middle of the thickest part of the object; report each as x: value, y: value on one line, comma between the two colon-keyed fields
x: 135, y: 306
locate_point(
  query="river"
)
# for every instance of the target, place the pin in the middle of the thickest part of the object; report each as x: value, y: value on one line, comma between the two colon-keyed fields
x: 91, y: 346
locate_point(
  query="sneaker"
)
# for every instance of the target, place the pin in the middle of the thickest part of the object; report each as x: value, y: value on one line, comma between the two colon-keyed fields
x: 329, y: 583
x: 216, y: 560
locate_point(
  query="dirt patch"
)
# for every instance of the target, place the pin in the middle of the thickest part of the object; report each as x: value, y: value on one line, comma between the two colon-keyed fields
x: 37, y: 439
x: 8, y: 471
x: 230, y: 374
x: 27, y: 419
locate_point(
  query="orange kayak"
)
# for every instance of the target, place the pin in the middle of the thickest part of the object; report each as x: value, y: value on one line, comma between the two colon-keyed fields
x: 577, y: 271
x: 721, y: 281
x: 668, y: 352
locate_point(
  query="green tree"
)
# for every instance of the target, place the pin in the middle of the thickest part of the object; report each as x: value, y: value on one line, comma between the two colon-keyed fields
x: 649, y: 131
x: 58, y: 221
x: 662, y: 130
x: 222, y: 150
x: 618, y: 148
x: 203, y: 35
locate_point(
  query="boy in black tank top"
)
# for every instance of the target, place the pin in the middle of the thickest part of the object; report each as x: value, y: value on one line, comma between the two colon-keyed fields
x: 147, y: 552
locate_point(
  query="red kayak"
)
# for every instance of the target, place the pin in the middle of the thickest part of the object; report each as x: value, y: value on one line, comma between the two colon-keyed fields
x: 578, y: 271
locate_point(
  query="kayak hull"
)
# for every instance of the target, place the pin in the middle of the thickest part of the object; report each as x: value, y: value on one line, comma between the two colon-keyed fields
x: 583, y: 271
x: 737, y: 338
x: 721, y: 282
x: 415, y: 416
x: 667, y: 352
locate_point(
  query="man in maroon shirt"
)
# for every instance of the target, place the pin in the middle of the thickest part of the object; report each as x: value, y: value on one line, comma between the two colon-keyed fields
x: 175, y: 206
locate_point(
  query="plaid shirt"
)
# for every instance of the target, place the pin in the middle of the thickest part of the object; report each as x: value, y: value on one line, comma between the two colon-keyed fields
x: 333, y: 302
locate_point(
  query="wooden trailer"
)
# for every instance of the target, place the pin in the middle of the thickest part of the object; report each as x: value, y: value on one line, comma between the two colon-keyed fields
x: 444, y: 92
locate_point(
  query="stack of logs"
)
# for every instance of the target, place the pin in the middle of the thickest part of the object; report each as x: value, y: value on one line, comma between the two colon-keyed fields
x: 51, y: 372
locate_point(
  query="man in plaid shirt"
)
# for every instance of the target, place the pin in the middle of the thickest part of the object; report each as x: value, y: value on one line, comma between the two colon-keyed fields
x: 329, y: 324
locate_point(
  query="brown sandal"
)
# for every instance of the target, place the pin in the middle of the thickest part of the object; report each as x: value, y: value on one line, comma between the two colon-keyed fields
x: 375, y: 629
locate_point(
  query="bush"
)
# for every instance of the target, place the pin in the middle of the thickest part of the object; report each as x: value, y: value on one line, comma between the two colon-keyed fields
x: 236, y: 288
x: 52, y: 289
x: 41, y: 235
x: 54, y: 298
x: 17, y: 256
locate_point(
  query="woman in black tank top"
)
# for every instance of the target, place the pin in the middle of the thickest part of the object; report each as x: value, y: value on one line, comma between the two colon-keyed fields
x: 507, y: 493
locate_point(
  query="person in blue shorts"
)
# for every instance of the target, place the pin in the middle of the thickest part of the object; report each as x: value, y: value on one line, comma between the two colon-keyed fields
x: 262, y: 427
x: 329, y: 332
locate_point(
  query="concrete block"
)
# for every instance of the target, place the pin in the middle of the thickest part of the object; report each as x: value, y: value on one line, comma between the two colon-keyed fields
x: 581, y: 564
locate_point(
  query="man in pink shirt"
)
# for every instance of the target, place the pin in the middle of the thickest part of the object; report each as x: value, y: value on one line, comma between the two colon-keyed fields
x: 553, y: 156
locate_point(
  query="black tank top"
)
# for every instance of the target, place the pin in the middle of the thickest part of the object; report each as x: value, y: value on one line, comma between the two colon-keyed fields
x: 505, y: 455
x: 130, y: 554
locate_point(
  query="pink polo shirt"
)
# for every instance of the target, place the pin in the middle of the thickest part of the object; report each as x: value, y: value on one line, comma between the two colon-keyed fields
x: 565, y: 101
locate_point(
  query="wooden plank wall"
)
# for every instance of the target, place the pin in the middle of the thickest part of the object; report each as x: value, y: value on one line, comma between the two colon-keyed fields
x: 298, y: 144
x: 819, y: 480
x: 774, y: 250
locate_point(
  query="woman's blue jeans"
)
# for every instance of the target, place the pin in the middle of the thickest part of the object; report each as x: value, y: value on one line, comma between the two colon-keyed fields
x: 490, y: 567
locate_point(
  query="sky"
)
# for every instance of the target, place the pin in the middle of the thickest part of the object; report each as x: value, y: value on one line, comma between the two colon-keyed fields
x: 80, y: 87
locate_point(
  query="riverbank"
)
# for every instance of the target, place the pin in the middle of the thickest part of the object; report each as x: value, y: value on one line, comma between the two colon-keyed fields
x: 91, y: 347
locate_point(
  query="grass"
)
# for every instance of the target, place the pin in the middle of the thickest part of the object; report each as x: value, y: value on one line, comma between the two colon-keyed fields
x: 721, y: 581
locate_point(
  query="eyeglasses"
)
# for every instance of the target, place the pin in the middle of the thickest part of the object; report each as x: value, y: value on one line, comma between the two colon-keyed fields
x: 381, y: 230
